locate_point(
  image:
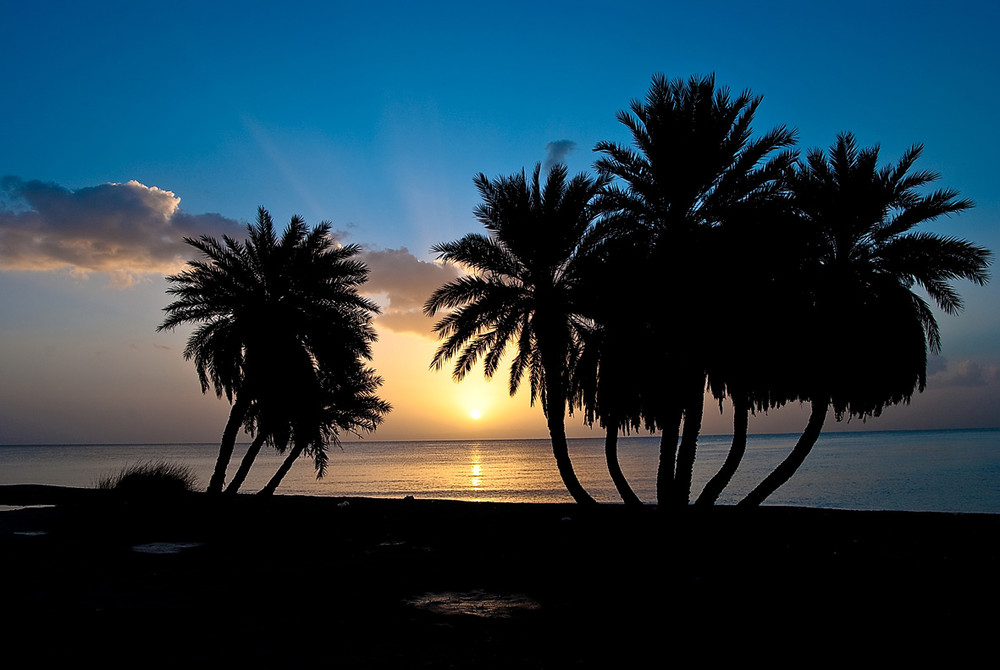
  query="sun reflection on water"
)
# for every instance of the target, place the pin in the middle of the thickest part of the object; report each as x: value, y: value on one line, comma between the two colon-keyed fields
x: 476, y: 474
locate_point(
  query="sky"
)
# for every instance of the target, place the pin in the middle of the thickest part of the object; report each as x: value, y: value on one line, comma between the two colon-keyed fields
x: 125, y: 126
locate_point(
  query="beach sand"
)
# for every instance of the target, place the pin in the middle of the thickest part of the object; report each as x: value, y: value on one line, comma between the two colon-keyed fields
x: 297, y: 581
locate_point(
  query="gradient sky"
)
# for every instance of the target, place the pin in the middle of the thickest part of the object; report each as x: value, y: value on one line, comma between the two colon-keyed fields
x: 124, y: 127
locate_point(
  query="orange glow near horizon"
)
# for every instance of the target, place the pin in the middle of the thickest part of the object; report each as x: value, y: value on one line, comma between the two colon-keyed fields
x: 430, y: 404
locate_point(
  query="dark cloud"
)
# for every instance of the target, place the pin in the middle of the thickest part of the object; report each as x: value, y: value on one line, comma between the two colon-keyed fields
x: 125, y: 230
x: 936, y: 364
x: 406, y: 282
x: 556, y: 152
x: 964, y: 373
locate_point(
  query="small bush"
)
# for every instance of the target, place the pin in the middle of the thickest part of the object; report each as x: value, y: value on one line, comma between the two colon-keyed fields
x: 150, y: 479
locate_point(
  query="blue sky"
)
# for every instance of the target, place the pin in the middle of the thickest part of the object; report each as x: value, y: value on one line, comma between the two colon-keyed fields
x: 377, y: 118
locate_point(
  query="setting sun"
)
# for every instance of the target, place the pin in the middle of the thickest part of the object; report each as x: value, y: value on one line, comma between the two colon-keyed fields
x: 475, y: 414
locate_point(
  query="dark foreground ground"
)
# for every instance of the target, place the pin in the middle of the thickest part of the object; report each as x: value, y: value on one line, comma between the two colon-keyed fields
x: 295, y: 582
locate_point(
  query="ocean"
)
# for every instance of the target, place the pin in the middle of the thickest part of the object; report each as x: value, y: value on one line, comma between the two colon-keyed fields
x: 943, y: 470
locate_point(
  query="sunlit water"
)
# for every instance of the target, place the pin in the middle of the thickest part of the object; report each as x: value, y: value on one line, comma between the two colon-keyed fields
x: 957, y: 471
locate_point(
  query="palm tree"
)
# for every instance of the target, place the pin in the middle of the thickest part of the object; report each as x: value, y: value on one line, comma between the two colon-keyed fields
x: 753, y: 363
x: 694, y: 165
x: 349, y: 403
x: 607, y: 384
x: 272, y: 313
x: 523, y: 290
x: 870, y: 331
x: 605, y: 387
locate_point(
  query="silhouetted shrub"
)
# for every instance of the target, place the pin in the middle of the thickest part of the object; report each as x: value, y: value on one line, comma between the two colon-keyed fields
x: 150, y: 479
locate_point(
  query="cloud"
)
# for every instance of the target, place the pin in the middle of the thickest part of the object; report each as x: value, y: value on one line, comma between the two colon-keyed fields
x: 125, y: 230
x: 967, y: 373
x: 556, y: 152
x: 406, y: 282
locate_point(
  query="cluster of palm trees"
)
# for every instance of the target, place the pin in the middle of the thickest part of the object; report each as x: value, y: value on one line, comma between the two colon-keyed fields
x: 283, y: 333
x: 704, y: 257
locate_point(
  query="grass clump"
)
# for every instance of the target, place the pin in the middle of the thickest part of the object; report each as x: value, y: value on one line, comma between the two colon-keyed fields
x: 150, y: 480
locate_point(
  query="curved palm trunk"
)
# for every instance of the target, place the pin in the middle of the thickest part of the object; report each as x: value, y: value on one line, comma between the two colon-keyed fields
x: 787, y: 467
x: 236, y: 416
x: 245, y: 464
x: 555, y: 417
x: 615, y: 468
x: 693, y: 411
x: 668, y: 455
x: 718, y: 483
x: 556, y: 420
x: 560, y: 449
x: 283, y: 469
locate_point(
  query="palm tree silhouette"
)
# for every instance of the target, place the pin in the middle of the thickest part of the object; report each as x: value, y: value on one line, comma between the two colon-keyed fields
x: 870, y: 331
x: 693, y: 166
x: 350, y: 404
x: 523, y: 290
x: 347, y: 401
x: 606, y: 382
x: 606, y: 388
x: 756, y: 284
x: 272, y: 313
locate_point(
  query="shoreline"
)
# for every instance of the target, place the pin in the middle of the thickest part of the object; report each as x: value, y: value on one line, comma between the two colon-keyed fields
x: 368, y: 582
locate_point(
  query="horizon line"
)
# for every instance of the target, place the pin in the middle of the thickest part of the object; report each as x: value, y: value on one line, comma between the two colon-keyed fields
x: 491, y: 439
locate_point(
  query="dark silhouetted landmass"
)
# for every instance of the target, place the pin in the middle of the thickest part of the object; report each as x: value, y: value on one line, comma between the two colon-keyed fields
x: 289, y: 581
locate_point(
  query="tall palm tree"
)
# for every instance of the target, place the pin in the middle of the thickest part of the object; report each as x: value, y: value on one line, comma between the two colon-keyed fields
x: 523, y: 290
x: 870, y: 331
x: 272, y: 313
x: 694, y: 165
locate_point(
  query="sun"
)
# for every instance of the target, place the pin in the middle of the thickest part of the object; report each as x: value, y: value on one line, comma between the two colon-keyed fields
x: 475, y: 414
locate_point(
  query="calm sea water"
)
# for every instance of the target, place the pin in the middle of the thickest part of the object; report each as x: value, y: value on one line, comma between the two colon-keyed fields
x: 952, y: 471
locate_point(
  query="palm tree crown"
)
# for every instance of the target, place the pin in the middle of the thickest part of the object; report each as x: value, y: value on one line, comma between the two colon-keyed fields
x: 522, y: 290
x: 272, y: 313
x: 869, y: 331
x: 868, y: 259
x: 694, y: 158
x: 524, y: 280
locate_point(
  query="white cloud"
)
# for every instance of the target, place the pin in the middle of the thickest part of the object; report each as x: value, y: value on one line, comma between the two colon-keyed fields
x: 129, y: 230
x: 125, y: 230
